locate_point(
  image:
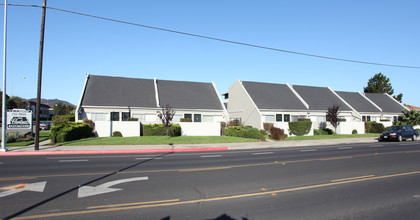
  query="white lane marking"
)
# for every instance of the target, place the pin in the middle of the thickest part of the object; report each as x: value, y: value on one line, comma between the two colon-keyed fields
x: 308, y: 150
x: 211, y: 156
x: 344, y: 148
x: 85, y: 191
x: 71, y: 161
x: 376, y: 146
x: 416, y: 196
x: 10, y: 190
x: 149, y: 158
x: 1, y: 162
x: 262, y: 153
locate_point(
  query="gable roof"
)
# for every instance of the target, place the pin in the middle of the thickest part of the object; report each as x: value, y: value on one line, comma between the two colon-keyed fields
x: 188, y: 95
x: 273, y: 96
x: 358, y: 102
x: 386, y: 103
x: 119, y: 91
x: 320, y: 98
x: 134, y: 92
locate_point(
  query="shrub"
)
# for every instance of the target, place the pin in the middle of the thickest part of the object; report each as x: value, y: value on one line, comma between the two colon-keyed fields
x: 159, y: 130
x: 304, y: 119
x: 62, y: 119
x: 244, y: 132
x: 14, y: 137
x: 263, y: 132
x: 89, y: 122
x: 267, y: 126
x: 132, y: 119
x: 354, y: 131
x: 186, y: 120
x: 373, y: 127
x: 277, y: 133
x: 320, y: 132
x: 329, y: 131
x: 70, y: 131
x: 300, y: 128
x: 116, y: 134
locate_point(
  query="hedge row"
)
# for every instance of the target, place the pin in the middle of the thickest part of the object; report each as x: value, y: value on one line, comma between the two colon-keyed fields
x: 300, y: 128
x: 160, y: 130
x: 244, y: 132
x: 373, y: 127
x: 70, y: 131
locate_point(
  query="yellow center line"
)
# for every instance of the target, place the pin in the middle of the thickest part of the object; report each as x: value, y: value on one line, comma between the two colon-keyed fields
x: 352, y: 178
x: 216, y: 198
x: 131, y: 204
x: 203, y: 169
x: 337, y: 158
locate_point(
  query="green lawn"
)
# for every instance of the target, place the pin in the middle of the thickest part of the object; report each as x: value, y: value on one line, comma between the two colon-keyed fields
x: 152, y: 140
x: 334, y: 136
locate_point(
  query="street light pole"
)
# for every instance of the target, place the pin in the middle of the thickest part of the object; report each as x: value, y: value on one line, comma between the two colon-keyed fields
x: 41, y: 55
x: 3, y: 123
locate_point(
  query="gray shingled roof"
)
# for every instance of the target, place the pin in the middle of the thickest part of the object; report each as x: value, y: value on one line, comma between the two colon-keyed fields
x: 188, y: 95
x: 320, y: 98
x: 358, y: 102
x: 273, y: 96
x: 119, y: 91
x: 385, y: 102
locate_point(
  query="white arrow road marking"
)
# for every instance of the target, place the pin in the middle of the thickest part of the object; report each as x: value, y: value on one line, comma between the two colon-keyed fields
x: 35, y: 187
x: 86, y: 191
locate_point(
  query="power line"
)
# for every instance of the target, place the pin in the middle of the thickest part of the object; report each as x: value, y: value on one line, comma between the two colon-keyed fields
x: 222, y: 40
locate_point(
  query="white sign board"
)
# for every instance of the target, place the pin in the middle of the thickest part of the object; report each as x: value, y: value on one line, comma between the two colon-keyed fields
x: 21, y: 119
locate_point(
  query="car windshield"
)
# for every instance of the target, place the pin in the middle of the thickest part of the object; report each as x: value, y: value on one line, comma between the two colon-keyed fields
x: 395, y: 128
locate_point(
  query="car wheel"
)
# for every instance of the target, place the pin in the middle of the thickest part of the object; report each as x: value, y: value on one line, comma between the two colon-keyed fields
x: 399, y: 138
x: 414, y: 137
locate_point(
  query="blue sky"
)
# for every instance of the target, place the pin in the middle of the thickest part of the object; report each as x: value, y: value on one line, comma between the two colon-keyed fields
x: 374, y: 31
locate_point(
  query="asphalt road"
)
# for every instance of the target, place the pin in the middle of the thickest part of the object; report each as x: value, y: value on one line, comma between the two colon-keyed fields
x: 353, y: 181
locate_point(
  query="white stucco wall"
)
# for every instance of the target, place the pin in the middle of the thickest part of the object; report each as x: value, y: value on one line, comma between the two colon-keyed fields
x: 127, y: 128
x: 348, y: 127
x: 241, y: 106
x: 200, y: 129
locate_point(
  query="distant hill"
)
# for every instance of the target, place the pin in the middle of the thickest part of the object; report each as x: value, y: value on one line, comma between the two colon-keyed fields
x: 51, y: 102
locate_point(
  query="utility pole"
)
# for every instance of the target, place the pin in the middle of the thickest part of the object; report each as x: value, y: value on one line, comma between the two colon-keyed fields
x: 3, y: 123
x: 41, y: 55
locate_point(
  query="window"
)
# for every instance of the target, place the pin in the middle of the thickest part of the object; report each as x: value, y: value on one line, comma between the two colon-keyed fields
x: 188, y: 116
x: 321, y: 118
x: 363, y: 118
x: 115, y: 116
x: 286, y: 118
x: 197, y: 117
x: 395, y: 119
x: 368, y: 118
x: 177, y: 118
x: 125, y: 116
x: 207, y: 118
x: 279, y: 117
x: 99, y: 116
x: 141, y: 117
x: 150, y: 117
x: 269, y: 118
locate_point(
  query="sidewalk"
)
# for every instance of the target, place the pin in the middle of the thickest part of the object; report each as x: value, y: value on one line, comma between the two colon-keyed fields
x: 46, y: 149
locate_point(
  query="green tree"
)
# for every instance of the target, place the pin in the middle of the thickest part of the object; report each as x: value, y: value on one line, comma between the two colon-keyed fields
x: 62, y: 109
x: 411, y: 118
x: 379, y: 83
